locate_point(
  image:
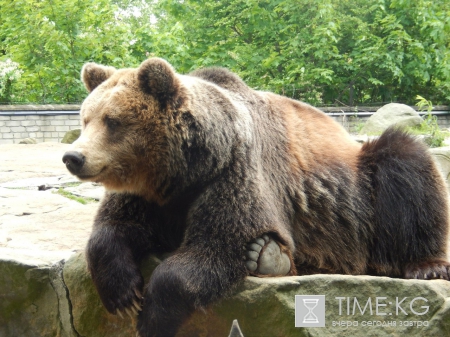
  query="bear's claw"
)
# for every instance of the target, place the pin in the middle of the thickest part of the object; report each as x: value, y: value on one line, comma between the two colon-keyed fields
x: 264, y: 256
x: 133, y: 311
x: 429, y: 270
x: 137, y: 306
x: 126, y: 302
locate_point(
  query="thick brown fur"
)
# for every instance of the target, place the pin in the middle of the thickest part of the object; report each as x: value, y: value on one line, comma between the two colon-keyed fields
x: 201, y: 164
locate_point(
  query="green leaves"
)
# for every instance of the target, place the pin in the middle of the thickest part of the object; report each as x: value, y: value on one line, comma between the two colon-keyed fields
x: 52, y: 39
x: 323, y: 52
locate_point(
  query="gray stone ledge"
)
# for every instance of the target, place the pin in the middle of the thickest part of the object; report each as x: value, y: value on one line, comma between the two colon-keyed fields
x: 60, y: 300
x: 40, y: 107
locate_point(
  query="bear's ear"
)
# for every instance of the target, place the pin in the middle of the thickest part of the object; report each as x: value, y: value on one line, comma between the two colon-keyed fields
x: 93, y: 74
x: 157, y: 77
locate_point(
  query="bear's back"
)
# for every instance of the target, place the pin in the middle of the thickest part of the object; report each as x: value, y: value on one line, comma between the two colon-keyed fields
x: 223, y: 78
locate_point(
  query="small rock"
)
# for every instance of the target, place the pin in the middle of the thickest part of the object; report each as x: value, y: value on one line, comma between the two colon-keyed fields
x: 28, y: 141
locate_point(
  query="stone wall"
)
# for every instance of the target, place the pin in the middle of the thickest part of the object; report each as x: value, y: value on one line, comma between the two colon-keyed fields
x: 49, y: 123
x: 45, y: 123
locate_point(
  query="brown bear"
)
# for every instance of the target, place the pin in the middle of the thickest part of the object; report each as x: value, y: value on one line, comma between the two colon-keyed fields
x: 212, y: 171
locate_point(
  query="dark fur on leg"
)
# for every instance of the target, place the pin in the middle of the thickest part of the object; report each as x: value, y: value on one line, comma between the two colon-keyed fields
x: 208, y: 265
x: 410, y: 206
x: 118, y: 228
x: 116, y: 276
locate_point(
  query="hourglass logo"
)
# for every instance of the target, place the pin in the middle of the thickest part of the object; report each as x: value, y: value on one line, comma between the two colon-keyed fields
x: 310, y: 311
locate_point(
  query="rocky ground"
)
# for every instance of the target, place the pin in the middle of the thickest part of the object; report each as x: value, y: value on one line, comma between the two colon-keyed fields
x: 40, y: 217
x: 45, y: 290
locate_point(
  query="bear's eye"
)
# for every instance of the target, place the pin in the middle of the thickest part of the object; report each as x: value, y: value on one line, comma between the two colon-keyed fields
x: 111, y: 123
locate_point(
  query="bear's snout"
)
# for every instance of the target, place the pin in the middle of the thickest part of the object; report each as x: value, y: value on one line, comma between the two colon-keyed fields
x: 74, y: 161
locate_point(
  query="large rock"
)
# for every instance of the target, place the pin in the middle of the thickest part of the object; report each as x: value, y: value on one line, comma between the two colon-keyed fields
x: 39, y: 230
x: 442, y: 158
x: 28, y: 303
x: 42, y: 302
x: 397, y: 114
x: 33, y: 300
x: 265, y: 307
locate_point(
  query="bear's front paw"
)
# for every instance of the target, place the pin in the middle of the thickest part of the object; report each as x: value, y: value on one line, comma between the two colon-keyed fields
x: 264, y: 256
x: 121, y: 292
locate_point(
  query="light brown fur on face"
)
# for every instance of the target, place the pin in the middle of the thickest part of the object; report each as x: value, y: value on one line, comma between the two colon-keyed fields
x: 114, y: 136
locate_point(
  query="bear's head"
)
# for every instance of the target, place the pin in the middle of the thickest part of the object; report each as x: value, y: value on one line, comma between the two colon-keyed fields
x: 127, y: 120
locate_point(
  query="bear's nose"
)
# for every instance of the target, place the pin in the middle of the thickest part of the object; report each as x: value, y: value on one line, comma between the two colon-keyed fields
x: 74, y: 161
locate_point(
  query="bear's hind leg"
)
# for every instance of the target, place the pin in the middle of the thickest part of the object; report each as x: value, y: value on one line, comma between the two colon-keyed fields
x: 267, y: 257
x: 428, y: 270
x: 410, y: 207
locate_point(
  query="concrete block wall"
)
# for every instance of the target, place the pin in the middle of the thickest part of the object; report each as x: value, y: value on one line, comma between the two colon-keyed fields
x: 43, y: 128
x: 351, y: 123
x: 444, y: 121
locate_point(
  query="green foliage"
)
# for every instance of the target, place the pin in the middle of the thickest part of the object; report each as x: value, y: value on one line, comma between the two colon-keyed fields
x: 52, y: 39
x: 324, y: 52
x: 429, y: 127
x: 424, y: 104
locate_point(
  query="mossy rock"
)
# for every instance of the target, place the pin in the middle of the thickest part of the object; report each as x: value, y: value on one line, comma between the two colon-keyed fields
x: 28, y: 303
x: 266, y: 306
x: 71, y: 136
x: 400, y: 115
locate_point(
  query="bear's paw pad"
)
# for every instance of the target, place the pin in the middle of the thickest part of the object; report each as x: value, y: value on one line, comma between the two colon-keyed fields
x: 264, y: 256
